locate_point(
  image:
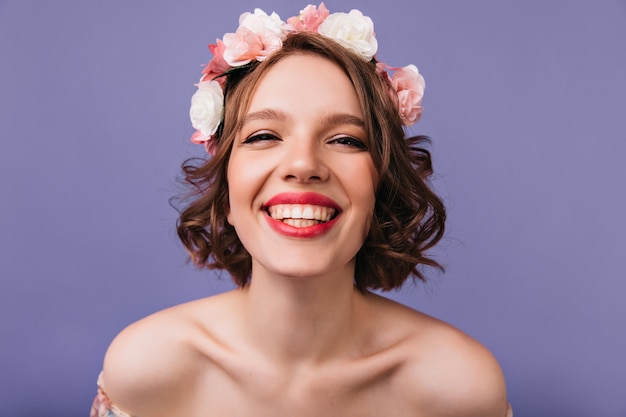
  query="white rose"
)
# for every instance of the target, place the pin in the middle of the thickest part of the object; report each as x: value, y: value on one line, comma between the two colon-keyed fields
x: 263, y: 25
x: 353, y: 31
x: 207, y: 107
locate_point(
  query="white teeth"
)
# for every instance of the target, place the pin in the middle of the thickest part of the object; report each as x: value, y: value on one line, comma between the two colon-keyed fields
x: 301, y: 211
x: 300, y: 222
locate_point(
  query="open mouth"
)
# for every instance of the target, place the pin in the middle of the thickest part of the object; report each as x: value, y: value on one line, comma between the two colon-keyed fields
x: 301, y: 215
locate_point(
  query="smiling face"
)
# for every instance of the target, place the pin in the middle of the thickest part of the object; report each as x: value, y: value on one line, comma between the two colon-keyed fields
x: 301, y: 180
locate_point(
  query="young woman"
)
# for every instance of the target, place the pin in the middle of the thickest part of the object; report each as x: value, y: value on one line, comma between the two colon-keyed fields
x: 312, y: 196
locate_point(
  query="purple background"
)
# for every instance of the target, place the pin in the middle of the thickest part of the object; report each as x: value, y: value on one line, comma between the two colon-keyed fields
x: 525, y: 101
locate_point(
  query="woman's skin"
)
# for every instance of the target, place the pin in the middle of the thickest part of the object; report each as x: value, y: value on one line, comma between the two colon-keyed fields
x: 300, y: 340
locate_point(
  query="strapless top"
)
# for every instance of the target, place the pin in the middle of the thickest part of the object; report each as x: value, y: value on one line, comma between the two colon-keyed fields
x: 103, y: 407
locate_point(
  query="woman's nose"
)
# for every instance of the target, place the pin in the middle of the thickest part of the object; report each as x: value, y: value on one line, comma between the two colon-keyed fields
x: 303, y: 162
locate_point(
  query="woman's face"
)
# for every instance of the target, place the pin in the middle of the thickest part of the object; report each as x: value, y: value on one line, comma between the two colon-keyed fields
x: 301, y: 179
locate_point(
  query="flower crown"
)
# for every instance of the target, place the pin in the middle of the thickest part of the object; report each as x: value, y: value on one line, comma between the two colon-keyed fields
x: 260, y: 34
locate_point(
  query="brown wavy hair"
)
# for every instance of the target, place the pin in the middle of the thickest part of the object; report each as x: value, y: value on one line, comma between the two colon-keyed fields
x: 408, y: 217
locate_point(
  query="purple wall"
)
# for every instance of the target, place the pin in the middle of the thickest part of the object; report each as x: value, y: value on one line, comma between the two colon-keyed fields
x: 526, y: 102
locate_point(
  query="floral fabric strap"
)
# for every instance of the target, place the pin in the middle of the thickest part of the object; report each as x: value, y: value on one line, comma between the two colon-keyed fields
x: 102, y: 405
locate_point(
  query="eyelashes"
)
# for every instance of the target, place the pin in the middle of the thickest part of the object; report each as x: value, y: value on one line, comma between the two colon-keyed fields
x: 260, y: 137
x: 349, y: 141
x: 342, y: 141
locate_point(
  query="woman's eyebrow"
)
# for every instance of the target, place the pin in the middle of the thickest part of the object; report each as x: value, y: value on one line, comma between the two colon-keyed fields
x: 342, y: 119
x: 330, y: 119
x: 265, y: 114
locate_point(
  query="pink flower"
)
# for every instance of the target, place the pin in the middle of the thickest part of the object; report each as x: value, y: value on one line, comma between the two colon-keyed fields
x: 217, y: 66
x: 209, y: 142
x: 257, y: 37
x: 309, y: 19
x: 381, y: 69
x: 244, y: 46
x: 199, y: 139
x: 409, y: 85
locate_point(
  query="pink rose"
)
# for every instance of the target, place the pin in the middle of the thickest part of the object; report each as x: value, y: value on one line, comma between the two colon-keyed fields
x: 309, y: 19
x: 257, y: 37
x: 409, y: 85
x: 209, y: 142
x: 217, y: 66
x: 381, y: 69
x: 244, y: 46
x: 199, y: 139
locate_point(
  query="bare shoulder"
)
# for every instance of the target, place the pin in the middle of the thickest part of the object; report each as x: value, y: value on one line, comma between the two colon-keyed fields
x: 458, y: 374
x: 146, y: 362
x: 446, y: 372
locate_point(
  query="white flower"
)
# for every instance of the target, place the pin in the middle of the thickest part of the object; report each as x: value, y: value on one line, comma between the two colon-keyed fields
x: 263, y: 25
x: 353, y: 31
x: 207, y: 107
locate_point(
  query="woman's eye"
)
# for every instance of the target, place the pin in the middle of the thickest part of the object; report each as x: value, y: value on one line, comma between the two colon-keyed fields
x: 349, y: 141
x: 260, y: 137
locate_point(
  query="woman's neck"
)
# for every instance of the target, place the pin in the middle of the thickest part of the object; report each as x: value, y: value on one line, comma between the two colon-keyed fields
x: 302, y: 320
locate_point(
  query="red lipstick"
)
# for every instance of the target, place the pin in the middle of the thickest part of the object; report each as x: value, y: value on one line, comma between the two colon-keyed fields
x: 314, y: 199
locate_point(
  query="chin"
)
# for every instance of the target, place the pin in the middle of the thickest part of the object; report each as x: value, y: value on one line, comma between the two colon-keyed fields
x: 300, y: 271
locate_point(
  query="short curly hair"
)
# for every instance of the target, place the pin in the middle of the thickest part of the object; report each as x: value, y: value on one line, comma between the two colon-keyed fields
x: 408, y: 217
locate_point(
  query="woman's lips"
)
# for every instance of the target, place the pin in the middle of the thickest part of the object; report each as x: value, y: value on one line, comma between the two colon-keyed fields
x: 302, y: 215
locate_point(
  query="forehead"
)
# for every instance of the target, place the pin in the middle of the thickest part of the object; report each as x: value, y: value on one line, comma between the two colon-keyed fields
x: 305, y: 83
